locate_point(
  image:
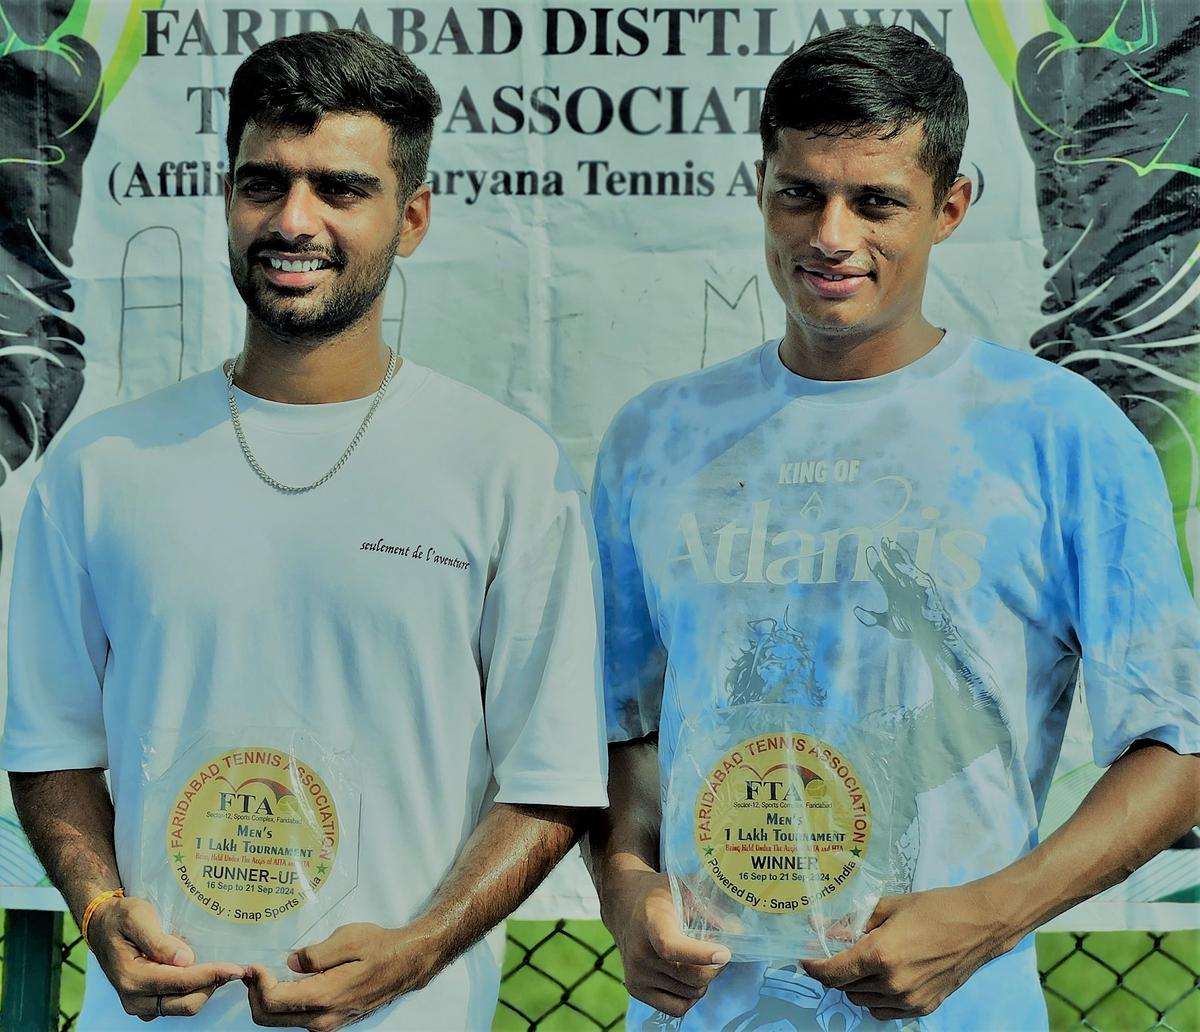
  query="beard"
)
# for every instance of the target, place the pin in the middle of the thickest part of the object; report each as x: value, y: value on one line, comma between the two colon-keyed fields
x: 338, y: 306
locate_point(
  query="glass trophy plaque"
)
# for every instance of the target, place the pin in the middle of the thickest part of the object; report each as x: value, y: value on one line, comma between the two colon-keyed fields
x: 247, y: 846
x: 778, y: 830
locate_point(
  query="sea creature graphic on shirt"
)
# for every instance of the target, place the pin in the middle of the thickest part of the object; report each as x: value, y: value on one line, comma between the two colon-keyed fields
x: 787, y: 995
x: 778, y: 665
x: 787, y: 990
x: 966, y: 709
x: 660, y: 1022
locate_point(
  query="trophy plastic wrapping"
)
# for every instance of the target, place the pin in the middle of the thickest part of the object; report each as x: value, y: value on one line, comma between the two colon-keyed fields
x: 778, y: 830
x: 250, y: 841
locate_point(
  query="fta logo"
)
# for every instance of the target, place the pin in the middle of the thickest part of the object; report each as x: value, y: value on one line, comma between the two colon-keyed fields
x: 799, y: 784
x: 262, y: 797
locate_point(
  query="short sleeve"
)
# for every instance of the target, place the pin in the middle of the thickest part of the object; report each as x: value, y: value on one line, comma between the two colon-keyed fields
x: 634, y: 658
x: 56, y: 654
x: 539, y: 643
x: 1137, y: 625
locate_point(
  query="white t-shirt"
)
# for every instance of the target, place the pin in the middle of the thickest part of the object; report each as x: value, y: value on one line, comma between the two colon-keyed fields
x: 431, y: 611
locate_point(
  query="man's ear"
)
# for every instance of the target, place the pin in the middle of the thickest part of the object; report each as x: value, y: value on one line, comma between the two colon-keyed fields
x: 954, y: 208
x: 760, y: 173
x: 228, y: 184
x: 414, y: 221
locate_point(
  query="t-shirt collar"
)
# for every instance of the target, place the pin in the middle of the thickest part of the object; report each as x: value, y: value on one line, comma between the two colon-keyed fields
x: 315, y: 419
x: 837, y: 392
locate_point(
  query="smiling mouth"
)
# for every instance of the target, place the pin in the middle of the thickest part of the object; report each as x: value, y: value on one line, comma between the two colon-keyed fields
x: 832, y: 276
x: 297, y: 274
x: 834, y: 285
x: 298, y: 264
x: 301, y: 265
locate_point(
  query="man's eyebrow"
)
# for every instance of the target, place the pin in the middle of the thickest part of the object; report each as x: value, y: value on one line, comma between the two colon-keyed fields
x: 267, y: 170
x: 345, y: 177
x: 791, y: 179
x: 901, y: 193
x: 897, y: 190
x: 318, y: 176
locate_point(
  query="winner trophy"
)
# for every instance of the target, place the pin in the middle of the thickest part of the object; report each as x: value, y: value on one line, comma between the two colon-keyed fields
x: 778, y: 842
x: 248, y: 846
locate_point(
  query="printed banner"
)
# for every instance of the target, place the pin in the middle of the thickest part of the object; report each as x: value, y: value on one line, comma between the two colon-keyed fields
x: 594, y: 225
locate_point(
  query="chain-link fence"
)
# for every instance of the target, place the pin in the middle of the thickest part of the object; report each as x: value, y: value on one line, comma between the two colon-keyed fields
x: 74, y: 956
x: 565, y: 976
x: 1118, y: 981
x: 560, y: 975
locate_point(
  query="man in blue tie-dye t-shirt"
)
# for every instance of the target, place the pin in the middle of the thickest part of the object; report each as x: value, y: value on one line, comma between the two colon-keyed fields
x: 876, y: 516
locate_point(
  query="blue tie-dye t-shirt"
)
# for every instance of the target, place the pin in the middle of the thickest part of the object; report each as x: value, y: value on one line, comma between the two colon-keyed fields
x: 945, y: 544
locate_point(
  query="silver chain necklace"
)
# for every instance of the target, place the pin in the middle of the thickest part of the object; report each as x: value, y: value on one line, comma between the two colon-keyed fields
x: 257, y: 466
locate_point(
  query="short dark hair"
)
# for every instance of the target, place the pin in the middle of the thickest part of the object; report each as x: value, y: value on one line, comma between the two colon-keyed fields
x: 295, y: 81
x: 871, y: 80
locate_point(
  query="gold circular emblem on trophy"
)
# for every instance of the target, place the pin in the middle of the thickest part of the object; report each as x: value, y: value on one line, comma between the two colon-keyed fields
x: 782, y: 822
x: 252, y: 835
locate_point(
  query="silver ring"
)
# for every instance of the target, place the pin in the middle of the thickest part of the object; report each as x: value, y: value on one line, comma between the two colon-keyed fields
x: 158, y: 1011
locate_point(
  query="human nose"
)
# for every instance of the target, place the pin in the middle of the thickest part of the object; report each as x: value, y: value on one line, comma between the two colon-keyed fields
x: 297, y: 214
x: 833, y: 229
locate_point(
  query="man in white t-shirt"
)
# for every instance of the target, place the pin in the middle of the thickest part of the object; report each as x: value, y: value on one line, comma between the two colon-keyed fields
x: 317, y: 542
x: 898, y: 528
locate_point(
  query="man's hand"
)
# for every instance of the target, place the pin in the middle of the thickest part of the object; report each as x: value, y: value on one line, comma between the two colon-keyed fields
x: 920, y: 948
x: 916, y: 951
x: 663, y: 967
x: 155, y: 974
x: 357, y: 970
x: 362, y: 967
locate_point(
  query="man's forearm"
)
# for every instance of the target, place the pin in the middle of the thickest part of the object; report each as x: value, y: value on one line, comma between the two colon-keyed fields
x: 507, y: 856
x: 663, y: 967
x: 627, y: 833
x: 68, y: 818
x: 1148, y: 799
